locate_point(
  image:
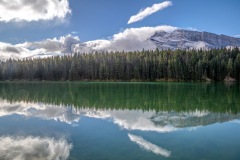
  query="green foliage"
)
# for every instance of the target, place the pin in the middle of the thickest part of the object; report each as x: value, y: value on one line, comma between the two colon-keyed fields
x: 179, y: 96
x: 179, y: 65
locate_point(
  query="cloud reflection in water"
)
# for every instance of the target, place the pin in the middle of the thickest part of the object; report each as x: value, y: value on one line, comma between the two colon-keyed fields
x: 148, y: 146
x: 34, y: 148
x: 161, y: 121
x: 39, y: 110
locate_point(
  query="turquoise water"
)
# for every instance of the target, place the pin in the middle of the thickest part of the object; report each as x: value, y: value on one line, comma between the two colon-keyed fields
x: 119, y: 121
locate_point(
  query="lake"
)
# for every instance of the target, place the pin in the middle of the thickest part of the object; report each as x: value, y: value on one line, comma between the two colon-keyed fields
x: 119, y: 121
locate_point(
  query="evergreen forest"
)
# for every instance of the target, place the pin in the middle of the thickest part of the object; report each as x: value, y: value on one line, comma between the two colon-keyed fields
x: 145, y: 65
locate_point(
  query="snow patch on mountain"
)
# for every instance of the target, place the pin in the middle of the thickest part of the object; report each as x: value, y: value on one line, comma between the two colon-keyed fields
x: 188, y: 39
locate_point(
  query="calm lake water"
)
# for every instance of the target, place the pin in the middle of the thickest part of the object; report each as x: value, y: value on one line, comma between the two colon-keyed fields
x: 119, y: 121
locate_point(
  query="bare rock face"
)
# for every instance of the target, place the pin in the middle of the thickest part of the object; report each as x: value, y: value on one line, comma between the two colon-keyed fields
x: 185, y: 39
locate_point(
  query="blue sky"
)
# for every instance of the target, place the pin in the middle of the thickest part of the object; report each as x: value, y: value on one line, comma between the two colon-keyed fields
x: 102, y: 18
x: 87, y: 20
x: 95, y: 19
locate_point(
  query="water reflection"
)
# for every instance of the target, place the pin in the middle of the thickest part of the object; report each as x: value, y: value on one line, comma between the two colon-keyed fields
x: 106, y: 121
x: 161, y: 121
x: 130, y: 119
x: 148, y: 146
x: 236, y: 121
x: 34, y: 148
x: 40, y: 110
x: 178, y: 97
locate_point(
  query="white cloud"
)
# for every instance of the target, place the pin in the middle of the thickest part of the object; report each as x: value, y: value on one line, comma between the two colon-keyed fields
x: 131, y: 39
x: 48, y: 47
x: 148, y: 11
x: 10, y: 51
x: 32, y: 10
x: 59, y: 45
x: 148, y: 146
x: 18, y: 148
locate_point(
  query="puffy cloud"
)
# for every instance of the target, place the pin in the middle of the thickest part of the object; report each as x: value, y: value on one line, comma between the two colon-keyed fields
x: 42, y: 111
x: 11, y: 51
x: 148, y: 11
x: 33, y: 10
x: 131, y: 39
x: 48, y: 47
x: 148, y: 146
x: 59, y: 45
x: 34, y: 148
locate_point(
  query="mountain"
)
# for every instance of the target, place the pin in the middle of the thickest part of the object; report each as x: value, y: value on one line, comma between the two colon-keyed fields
x: 186, y: 39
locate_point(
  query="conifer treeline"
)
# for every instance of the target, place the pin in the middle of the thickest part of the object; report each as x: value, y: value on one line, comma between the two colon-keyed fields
x: 143, y: 65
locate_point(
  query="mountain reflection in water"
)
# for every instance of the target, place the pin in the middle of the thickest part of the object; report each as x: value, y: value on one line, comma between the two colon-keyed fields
x: 161, y: 121
x: 69, y: 120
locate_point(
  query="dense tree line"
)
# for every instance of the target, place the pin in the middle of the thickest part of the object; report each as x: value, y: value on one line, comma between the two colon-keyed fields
x: 180, y: 65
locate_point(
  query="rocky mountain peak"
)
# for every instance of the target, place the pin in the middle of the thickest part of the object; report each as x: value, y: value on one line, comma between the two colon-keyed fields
x: 186, y: 39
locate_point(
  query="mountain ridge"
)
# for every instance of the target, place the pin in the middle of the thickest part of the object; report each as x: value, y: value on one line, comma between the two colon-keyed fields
x: 187, y: 39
